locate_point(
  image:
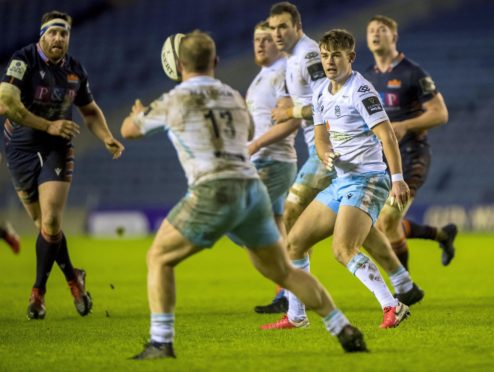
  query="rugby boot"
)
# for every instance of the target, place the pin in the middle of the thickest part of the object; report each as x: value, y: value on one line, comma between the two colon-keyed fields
x: 351, y: 339
x: 279, y: 305
x: 394, y: 315
x: 447, y: 245
x: 82, y: 299
x: 154, y: 350
x: 36, y: 308
x: 285, y: 323
x: 414, y: 295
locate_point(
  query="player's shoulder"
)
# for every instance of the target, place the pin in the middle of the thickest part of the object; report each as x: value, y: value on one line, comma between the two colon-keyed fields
x: 26, y: 54
x: 360, y: 85
x: 320, y: 90
x: 72, y: 64
x: 411, y: 65
x: 307, y: 50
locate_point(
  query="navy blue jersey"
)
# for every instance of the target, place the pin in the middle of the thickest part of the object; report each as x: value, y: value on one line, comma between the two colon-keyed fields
x: 47, y: 90
x: 403, y: 89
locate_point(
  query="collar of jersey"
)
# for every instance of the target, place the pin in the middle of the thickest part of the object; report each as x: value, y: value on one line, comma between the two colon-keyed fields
x: 200, y: 80
x: 395, y: 62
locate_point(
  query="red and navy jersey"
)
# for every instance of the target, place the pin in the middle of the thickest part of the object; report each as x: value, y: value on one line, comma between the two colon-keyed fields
x: 403, y: 88
x: 48, y: 90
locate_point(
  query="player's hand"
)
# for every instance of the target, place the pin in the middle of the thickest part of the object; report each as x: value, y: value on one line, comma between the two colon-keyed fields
x: 281, y: 114
x: 400, y: 130
x: 329, y: 159
x: 114, y: 147
x: 399, y: 195
x: 252, y: 148
x: 63, y: 128
x: 137, y: 107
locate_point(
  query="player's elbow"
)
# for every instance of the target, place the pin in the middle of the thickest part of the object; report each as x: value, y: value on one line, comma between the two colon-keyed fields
x: 129, y: 130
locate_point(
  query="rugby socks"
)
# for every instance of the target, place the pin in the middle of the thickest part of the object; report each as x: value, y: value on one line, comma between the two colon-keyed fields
x: 296, y: 308
x: 335, y: 321
x: 46, y: 251
x: 416, y: 231
x: 401, y: 280
x: 367, y: 272
x: 63, y: 260
x: 162, y: 328
x: 401, y: 250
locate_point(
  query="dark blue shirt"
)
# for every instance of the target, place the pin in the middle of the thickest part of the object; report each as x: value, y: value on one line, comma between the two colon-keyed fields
x: 403, y: 90
x: 48, y: 90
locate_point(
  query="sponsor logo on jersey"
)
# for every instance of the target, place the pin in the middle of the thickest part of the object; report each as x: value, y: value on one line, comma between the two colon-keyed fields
x: 427, y: 85
x: 372, y: 105
x: 316, y: 71
x: 394, y: 84
x: 363, y: 89
x: 17, y: 69
x: 311, y: 55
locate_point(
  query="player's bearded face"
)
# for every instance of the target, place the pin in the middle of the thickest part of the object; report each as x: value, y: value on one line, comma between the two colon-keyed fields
x: 265, y: 50
x: 380, y: 38
x: 55, y: 43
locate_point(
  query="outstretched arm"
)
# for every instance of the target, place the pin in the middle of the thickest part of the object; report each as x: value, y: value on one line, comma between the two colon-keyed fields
x: 12, y: 107
x: 96, y: 122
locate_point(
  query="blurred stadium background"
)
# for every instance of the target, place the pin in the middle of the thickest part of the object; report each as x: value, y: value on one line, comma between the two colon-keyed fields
x: 119, y: 43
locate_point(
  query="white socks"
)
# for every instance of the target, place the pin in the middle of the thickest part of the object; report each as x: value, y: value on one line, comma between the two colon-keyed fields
x: 296, y: 309
x: 367, y: 272
x: 401, y: 280
x: 162, y: 328
x: 335, y: 321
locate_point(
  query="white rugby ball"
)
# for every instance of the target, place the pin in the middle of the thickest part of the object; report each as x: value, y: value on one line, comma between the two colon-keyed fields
x: 169, y: 56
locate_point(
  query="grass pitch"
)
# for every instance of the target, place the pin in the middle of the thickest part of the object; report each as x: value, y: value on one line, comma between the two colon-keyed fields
x: 216, y: 329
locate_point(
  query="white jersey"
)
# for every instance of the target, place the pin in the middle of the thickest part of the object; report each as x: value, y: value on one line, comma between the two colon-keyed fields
x: 304, y: 74
x: 208, y: 123
x: 262, y: 95
x: 349, y: 116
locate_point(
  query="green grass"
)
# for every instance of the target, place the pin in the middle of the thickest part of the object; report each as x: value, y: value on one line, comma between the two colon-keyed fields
x: 216, y: 329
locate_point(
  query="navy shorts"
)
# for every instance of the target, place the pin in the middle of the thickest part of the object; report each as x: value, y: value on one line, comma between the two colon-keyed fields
x: 31, y: 169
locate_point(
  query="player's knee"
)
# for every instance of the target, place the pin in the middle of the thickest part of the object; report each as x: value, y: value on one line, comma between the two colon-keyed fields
x: 295, y: 246
x: 389, y: 220
x: 51, y: 224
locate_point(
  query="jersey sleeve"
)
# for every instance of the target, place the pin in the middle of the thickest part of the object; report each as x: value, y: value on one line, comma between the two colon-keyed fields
x: 83, y: 96
x: 154, y: 118
x: 366, y: 101
x: 316, y: 107
x: 312, y: 70
x: 425, y: 86
x: 18, y: 71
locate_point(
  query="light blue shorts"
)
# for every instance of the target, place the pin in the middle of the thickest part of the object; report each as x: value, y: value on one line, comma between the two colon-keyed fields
x: 367, y: 192
x: 278, y: 177
x: 239, y: 208
x: 313, y: 173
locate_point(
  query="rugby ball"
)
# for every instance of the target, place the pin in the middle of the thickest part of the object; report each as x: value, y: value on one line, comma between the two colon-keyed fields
x: 169, y: 56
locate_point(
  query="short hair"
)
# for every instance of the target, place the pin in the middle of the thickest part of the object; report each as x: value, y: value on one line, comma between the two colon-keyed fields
x: 197, y: 51
x: 56, y: 14
x: 263, y: 25
x: 388, y: 21
x: 338, y: 39
x: 286, y: 7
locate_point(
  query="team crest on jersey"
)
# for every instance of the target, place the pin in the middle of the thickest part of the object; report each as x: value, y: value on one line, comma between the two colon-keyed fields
x: 372, y: 105
x: 17, y: 69
x: 337, y: 111
x: 364, y: 89
x: 394, y: 84
x: 72, y: 78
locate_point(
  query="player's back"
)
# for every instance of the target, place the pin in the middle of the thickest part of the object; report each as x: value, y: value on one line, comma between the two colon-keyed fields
x: 209, y: 126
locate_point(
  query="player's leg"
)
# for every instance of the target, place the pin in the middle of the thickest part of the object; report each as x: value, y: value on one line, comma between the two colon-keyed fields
x: 9, y: 235
x: 445, y: 236
x: 389, y: 222
x: 351, y: 229
x: 380, y: 249
x: 169, y: 248
x: 277, y: 177
x: 272, y: 261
